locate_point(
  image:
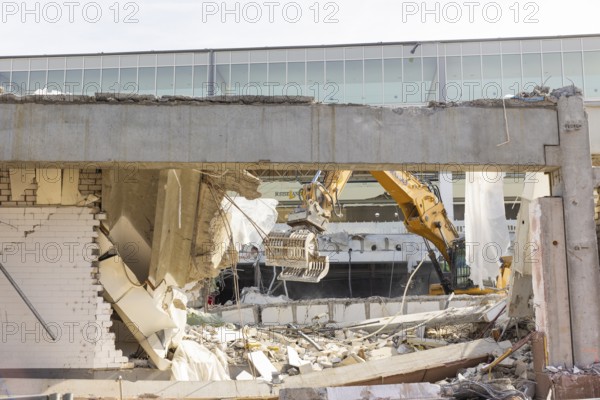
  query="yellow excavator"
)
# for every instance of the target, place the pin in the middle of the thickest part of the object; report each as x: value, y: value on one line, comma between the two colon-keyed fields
x: 296, y: 250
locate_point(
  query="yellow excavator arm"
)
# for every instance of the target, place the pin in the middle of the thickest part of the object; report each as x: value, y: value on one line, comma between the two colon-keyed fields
x: 424, y: 214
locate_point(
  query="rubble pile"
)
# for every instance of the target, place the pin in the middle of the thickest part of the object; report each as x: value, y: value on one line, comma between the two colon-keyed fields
x: 273, y: 353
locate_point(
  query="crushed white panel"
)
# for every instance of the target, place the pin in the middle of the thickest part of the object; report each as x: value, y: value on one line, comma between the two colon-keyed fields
x: 486, y: 231
x: 262, y: 365
x: 252, y: 295
x: 194, y: 362
x: 20, y: 179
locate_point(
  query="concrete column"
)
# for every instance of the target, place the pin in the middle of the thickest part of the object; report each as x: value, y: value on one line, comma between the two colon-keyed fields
x: 447, y: 193
x: 547, y: 261
x: 574, y: 182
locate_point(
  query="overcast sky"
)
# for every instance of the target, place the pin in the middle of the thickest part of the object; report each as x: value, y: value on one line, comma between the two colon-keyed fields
x: 69, y: 26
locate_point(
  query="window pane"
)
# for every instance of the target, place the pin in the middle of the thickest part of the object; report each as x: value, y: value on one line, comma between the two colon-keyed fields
x: 258, y: 77
x: 146, y: 80
x: 373, y: 89
x: 334, y: 86
x: 110, y: 80
x: 164, y: 81
x: 37, y: 81
x: 19, y: 82
x: 91, y: 82
x: 296, y: 86
x: 56, y: 80
x: 592, y: 73
x: 315, y: 79
x: 429, y: 90
x: 354, y: 82
x: 412, y: 80
x: 128, y: 80
x: 492, y: 77
x: 453, y: 89
x: 552, y: 70
x: 73, y: 83
x: 183, y: 81
x: 573, y: 69
x: 471, y: 77
x: 222, y: 79
x: 200, y: 81
x: 392, y: 81
x: 239, y: 79
x: 532, y: 71
x: 511, y: 74
x: 5, y: 81
x: 276, y: 79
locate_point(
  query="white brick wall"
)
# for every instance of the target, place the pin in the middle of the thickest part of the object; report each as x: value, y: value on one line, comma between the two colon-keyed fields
x: 48, y: 252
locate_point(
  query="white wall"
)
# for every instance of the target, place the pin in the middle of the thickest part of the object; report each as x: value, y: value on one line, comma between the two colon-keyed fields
x: 48, y: 252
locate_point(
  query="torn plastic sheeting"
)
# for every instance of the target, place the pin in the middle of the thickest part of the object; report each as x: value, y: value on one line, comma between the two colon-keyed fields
x: 486, y: 230
x: 261, y: 212
x: 194, y: 362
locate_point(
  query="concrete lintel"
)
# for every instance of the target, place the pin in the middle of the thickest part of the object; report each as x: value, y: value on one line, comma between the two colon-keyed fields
x: 276, y: 133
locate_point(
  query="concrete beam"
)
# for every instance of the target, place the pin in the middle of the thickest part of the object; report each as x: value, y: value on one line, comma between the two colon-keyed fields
x: 166, y: 133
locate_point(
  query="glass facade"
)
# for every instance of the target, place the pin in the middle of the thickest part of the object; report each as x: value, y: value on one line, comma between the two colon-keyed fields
x: 382, y: 74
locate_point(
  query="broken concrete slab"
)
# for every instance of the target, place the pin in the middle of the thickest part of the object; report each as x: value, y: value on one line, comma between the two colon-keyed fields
x: 451, y: 316
x: 424, y: 366
x: 191, y: 236
x: 414, y: 391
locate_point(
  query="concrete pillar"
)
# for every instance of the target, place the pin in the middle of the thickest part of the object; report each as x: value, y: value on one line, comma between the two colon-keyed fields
x: 547, y: 261
x: 574, y: 182
x: 447, y: 193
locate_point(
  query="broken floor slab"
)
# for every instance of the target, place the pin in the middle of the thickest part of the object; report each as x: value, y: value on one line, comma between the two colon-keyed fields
x: 416, y: 391
x: 425, y: 366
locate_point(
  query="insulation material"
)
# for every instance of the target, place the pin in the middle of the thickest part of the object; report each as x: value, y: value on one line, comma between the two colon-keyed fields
x: 194, y: 362
x: 49, y: 181
x: 486, y: 229
x: 70, y: 187
x: 20, y: 179
x: 245, y: 214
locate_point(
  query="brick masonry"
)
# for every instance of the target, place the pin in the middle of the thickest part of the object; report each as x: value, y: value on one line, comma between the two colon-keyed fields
x: 90, y: 182
x: 49, y: 252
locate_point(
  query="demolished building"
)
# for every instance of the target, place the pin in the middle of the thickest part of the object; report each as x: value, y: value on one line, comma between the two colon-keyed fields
x: 91, y: 227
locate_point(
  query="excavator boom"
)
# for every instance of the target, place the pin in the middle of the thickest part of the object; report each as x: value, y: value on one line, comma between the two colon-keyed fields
x: 424, y: 214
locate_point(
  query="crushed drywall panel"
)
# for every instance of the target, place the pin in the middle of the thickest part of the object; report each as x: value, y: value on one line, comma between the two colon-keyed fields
x: 20, y: 180
x: 70, y: 187
x: 49, y: 181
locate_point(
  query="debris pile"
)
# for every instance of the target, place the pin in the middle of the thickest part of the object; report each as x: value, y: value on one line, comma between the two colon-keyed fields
x: 279, y: 354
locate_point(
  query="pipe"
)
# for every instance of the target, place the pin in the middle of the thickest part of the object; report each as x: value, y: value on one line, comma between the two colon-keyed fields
x: 26, y: 300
